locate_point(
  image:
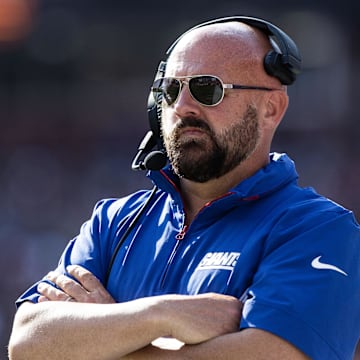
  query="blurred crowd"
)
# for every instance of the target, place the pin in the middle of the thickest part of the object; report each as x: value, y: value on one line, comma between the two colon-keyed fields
x: 75, y: 77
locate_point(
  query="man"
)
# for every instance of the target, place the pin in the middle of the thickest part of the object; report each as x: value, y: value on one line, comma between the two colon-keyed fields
x: 230, y: 256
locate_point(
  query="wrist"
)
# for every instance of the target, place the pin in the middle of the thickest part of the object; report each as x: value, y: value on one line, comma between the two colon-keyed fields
x: 163, y: 314
x: 157, y: 313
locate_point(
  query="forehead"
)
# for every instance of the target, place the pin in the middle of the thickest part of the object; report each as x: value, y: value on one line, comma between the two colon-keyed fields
x: 217, y: 49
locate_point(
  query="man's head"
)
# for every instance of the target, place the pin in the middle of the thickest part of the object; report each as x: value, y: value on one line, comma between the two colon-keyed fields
x: 206, y: 142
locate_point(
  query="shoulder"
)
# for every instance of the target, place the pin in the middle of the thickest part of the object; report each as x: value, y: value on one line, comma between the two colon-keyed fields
x: 306, y: 206
x: 314, y: 226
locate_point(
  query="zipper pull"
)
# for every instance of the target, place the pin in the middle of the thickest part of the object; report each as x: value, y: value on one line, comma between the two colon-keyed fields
x: 182, y: 233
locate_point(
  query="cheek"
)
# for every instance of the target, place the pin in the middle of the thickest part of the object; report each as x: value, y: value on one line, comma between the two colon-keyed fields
x: 225, y: 117
x: 168, y: 121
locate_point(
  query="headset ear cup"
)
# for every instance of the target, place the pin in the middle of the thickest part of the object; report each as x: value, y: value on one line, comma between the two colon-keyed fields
x: 274, y: 66
x: 154, y: 108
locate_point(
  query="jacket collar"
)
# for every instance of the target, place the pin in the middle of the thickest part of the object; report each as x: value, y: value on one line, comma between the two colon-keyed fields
x: 279, y: 172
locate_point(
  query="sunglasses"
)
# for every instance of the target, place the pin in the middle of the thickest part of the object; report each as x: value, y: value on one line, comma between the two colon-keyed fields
x: 208, y: 90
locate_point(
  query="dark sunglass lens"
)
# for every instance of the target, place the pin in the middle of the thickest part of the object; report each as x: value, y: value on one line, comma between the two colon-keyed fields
x: 206, y: 89
x: 171, y: 89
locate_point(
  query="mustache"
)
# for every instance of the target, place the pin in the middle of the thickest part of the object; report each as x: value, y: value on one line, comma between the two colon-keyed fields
x: 193, y: 122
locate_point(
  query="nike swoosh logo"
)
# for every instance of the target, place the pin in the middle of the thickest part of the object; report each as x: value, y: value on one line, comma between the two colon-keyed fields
x: 317, y: 264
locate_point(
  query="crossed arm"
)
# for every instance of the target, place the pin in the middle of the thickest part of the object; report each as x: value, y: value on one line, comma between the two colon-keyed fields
x: 82, y: 319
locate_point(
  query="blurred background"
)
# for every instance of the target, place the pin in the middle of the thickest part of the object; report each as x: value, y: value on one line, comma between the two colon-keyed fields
x: 75, y: 77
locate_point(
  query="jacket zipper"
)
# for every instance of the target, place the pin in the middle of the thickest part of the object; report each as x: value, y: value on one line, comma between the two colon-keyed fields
x: 182, y: 233
x: 179, y: 237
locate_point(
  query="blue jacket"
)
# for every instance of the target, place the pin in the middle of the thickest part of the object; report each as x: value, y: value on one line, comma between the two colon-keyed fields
x: 291, y: 255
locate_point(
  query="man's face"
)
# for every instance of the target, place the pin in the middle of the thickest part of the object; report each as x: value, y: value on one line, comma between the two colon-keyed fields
x: 206, y: 142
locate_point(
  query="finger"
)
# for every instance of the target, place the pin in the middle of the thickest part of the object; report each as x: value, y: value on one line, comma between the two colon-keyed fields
x: 52, y: 275
x: 49, y: 292
x: 85, y: 277
x: 96, y: 292
x: 68, y: 285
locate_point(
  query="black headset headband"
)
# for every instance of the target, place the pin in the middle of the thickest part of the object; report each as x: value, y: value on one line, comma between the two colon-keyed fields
x: 282, y: 62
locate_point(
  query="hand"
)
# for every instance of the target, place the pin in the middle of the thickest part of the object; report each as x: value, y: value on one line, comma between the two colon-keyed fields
x: 87, y: 288
x: 197, y: 318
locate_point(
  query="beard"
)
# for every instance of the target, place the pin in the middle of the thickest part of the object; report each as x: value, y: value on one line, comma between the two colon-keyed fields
x: 212, y: 155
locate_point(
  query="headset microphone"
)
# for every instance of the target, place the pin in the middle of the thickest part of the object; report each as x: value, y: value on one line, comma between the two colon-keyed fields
x: 155, y: 160
x: 146, y: 159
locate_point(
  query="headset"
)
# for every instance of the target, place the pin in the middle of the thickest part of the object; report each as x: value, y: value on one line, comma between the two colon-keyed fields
x: 282, y: 62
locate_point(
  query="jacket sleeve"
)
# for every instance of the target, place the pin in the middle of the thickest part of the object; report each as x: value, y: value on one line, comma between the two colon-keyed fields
x: 306, y: 288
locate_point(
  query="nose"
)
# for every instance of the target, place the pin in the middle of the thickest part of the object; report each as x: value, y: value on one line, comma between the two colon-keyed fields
x: 185, y: 105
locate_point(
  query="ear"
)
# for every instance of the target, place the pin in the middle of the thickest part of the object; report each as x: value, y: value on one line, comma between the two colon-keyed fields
x: 276, y: 103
